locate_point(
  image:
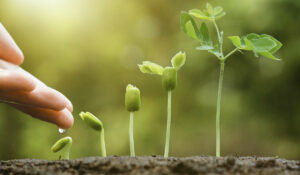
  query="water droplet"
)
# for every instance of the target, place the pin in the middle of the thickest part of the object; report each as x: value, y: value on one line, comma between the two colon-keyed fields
x: 62, y: 131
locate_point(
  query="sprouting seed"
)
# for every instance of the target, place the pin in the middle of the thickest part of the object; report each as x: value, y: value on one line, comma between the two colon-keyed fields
x: 132, y: 104
x: 169, y: 83
x: 63, y: 145
x: 97, y: 125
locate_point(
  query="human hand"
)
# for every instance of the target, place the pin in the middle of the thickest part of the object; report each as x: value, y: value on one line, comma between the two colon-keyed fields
x: 26, y: 93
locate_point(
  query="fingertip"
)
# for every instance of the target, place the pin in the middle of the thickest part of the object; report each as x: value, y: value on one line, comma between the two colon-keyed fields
x: 65, y: 120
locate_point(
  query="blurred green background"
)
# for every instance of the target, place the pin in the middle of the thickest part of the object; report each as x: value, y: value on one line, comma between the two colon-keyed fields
x: 89, y: 49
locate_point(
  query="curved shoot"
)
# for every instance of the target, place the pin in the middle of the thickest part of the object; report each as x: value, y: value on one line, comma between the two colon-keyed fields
x: 97, y: 125
x: 63, y: 145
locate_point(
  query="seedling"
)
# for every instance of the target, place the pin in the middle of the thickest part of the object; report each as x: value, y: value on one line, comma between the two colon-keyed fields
x: 97, y: 125
x: 169, y: 83
x: 63, y: 145
x: 261, y: 45
x: 132, y: 104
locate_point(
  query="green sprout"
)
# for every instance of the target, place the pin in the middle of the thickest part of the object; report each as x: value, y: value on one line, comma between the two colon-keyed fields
x: 63, y: 145
x: 261, y: 45
x: 97, y: 125
x: 169, y: 83
x: 132, y: 104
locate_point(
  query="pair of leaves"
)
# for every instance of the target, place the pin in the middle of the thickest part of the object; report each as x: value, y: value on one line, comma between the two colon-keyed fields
x: 210, y: 13
x: 264, y: 45
x: 152, y: 68
x: 201, y: 34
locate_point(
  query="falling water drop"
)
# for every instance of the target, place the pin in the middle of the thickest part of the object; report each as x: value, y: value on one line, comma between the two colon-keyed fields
x: 61, y: 131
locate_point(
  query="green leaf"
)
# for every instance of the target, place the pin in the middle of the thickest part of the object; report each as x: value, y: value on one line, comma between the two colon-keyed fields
x: 205, y: 47
x: 209, y: 9
x: 151, y: 68
x: 278, y: 43
x: 200, y: 14
x: 269, y: 55
x: 246, y: 44
x: 262, y: 44
x: 178, y: 60
x: 189, y: 26
x: 210, y: 13
x: 204, y: 37
x: 217, y: 10
x: 91, y: 120
x: 236, y: 40
x: 60, y: 144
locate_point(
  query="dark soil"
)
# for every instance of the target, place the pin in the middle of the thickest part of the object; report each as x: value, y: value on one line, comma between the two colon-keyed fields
x: 154, y: 165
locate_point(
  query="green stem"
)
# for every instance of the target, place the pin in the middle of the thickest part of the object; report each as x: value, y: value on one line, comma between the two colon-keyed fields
x: 230, y: 53
x: 66, y: 152
x: 219, y: 38
x: 168, y: 131
x: 218, y: 113
x: 102, y: 143
x: 131, y: 140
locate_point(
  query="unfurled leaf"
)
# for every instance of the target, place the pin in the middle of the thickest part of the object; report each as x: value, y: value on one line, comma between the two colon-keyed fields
x: 200, y: 14
x: 264, y: 45
x: 210, y: 13
x: 278, y: 43
x: 189, y: 26
x: 269, y: 55
x: 91, y: 120
x: 209, y: 9
x: 178, y: 60
x: 60, y: 144
x: 236, y: 40
x: 204, y: 37
x: 205, y: 47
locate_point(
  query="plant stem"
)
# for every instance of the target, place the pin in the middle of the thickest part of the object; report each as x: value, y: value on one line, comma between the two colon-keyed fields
x: 102, y: 144
x: 230, y: 53
x: 219, y: 38
x: 66, y: 153
x: 168, y: 131
x: 219, y: 102
x: 131, y: 140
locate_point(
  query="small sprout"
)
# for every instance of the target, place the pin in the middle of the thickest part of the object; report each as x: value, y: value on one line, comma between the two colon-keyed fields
x: 132, y: 104
x: 169, y: 74
x: 264, y: 45
x: 97, y: 125
x: 63, y: 145
x: 132, y: 98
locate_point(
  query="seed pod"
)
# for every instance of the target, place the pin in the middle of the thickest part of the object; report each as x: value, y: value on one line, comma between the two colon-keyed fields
x: 91, y: 120
x: 169, y: 78
x: 132, y: 98
x: 60, y: 144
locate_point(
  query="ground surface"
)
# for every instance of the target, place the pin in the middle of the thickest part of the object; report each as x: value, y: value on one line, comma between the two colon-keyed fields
x: 154, y: 165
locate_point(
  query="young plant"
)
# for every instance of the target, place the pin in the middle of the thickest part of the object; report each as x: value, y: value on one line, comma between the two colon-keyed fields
x: 132, y: 104
x: 169, y: 83
x: 97, y: 125
x: 261, y: 45
x: 63, y: 145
